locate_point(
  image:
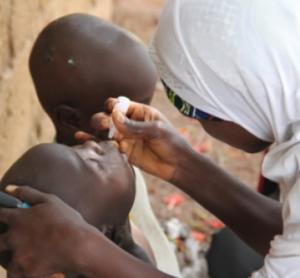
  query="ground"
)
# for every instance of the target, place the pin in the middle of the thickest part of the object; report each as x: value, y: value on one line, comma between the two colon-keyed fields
x: 141, y: 17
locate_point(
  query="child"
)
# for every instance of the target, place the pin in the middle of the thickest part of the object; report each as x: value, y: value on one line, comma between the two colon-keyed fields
x: 83, y: 177
x: 76, y: 63
x: 79, y: 61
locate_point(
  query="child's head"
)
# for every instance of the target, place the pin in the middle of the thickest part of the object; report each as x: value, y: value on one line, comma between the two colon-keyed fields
x: 83, y: 176
x: 78, y: 61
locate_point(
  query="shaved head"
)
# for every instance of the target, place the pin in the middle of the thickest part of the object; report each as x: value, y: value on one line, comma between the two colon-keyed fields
x: 78, y: 61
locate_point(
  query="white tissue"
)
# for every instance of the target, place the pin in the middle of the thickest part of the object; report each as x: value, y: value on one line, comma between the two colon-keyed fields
x: 122, y: 105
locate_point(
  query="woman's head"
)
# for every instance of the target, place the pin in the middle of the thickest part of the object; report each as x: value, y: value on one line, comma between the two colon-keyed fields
x: 232, y: 62
x: 226, y: 131
x: 234, y: 135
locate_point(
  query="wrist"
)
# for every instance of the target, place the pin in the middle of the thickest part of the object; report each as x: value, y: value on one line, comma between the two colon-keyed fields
x: 184, y: 166
x: 196, y: 175
x: 88, y: 247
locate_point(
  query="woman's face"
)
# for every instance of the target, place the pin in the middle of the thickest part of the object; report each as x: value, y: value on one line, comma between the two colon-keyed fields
x: 234, y: 135
x: 225, y: 131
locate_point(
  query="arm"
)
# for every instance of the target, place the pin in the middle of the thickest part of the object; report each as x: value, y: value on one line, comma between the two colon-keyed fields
x: 152, y: 144
x: 101, y: 264
x: 254, y: 217
x: 51, y: 237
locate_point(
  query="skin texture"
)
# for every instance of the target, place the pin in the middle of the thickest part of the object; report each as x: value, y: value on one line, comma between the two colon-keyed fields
x: 77, y: 62
x: 90, y: 185
x: 235, y: 136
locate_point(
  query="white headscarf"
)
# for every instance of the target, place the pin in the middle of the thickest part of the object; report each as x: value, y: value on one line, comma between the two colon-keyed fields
x: 239, y: 60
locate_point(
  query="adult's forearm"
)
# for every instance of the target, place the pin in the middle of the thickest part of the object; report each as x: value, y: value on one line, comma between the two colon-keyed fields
x: 101, y: 258
x: 252, y: 216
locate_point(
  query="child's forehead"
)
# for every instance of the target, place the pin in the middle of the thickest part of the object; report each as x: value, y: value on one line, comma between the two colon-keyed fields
x: 57, y: 156
x: 42, y: 164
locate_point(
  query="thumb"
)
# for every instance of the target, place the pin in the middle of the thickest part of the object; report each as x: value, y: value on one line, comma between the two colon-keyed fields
x: 136, y: 129
x: 27, y: 194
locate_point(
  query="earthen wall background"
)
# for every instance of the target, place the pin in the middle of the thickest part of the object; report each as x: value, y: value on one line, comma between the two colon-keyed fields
x: 22, y: 121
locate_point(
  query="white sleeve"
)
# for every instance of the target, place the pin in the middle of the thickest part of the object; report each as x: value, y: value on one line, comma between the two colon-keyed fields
x: 283, y: 260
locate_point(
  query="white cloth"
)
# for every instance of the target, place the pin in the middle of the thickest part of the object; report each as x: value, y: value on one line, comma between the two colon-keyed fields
x: 239, y: 60
x: 144, y: 218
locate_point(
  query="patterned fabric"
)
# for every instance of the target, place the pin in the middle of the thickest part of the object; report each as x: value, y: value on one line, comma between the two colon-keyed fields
x: 185, y: 108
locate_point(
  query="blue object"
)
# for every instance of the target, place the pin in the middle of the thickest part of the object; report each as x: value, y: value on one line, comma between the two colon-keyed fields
x: 9, y: 201
x: 24, y: 205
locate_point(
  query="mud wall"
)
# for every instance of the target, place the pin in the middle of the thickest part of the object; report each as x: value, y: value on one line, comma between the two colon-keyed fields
x: 22, y: 121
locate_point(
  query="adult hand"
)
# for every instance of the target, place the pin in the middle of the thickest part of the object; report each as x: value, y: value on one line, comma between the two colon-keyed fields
x: 42, y: 238
x: 145, y: 136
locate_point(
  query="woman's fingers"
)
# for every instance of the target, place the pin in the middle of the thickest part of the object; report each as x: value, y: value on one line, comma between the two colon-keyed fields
x: 111, y: 102
x: 136, y: 111
x: 135, y: 129
x: 140, y: 120
x: 109, y: 105
x: 100, y: 121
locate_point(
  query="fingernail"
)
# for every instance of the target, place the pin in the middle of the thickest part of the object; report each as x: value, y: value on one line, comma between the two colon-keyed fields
x: 11, y: 188
x: 120, y: 117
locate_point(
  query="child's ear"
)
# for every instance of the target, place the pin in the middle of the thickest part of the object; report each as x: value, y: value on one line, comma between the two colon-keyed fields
x: 68, y: 116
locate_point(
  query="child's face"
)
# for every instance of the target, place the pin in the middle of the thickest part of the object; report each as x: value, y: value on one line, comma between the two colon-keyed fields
x: 95, y: 179
x: 108, y: 177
